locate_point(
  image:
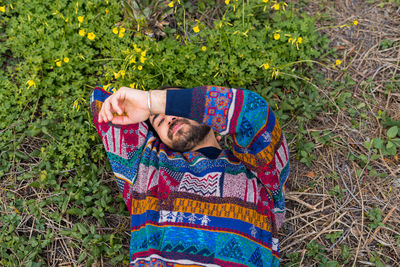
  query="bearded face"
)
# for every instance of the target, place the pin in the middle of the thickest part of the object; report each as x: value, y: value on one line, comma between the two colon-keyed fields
x: 179, y: 134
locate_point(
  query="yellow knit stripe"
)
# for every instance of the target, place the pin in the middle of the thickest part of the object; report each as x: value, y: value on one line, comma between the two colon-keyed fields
x: 223, y: 210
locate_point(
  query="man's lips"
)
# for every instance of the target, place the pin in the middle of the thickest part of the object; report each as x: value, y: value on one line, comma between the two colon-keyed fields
x: 176, y: 128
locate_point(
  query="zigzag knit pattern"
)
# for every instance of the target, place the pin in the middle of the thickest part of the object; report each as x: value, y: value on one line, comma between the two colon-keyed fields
x: 189, y: 210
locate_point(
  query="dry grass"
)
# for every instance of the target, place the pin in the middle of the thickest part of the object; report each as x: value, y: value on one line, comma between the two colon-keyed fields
x: 312, y: 211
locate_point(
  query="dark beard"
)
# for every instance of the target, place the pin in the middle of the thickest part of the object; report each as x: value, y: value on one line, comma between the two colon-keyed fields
x: 186, y: 140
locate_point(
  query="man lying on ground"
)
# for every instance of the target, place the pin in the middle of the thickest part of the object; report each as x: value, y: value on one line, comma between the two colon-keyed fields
x: 191, y: 202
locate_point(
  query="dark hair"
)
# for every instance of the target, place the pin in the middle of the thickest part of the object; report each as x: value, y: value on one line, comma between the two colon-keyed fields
x: 165, y: 87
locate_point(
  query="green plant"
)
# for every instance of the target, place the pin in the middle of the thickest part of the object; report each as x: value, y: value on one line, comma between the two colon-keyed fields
x: 375, y: 217
x: 376, y: 258
x: 345, y: 254
x: 334, y: 236
x: 294, y: 259
x: 337, y: 192
x: 148, y: 16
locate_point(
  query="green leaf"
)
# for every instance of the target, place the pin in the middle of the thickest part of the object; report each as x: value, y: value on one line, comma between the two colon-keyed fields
x: 392, y: 132
x: 82, y: 257
x: 378, y: 143
x: 82, y: 228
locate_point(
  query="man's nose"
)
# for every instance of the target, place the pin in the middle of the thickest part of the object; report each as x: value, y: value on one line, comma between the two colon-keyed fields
x: 170, y: 119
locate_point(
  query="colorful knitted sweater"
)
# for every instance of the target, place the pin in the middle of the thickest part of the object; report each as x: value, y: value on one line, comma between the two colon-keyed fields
x: 208, y: 207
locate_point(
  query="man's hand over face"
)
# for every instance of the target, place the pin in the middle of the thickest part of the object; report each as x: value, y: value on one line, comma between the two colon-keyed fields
x: 126, y: 106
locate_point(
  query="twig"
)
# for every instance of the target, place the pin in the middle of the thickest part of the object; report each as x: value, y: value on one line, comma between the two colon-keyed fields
x: 378, y: 228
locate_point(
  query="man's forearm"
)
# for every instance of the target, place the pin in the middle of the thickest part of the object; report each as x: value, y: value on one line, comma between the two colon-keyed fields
x: 158, y: 101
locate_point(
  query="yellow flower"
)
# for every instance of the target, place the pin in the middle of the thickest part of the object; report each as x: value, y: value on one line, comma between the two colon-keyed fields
x: 80, y: 19
x: 106, y: 10
x: 266, y: 66
x: 66, y: 60
x: 3, y: 9
x: 277, y: 36
x: 132, y: 60
x: 116, y: 75
x: 82, y: 32
x: 139, y: 67
x: 355, y: 22
x: 121, y: 34
x: 137, y: 50
x: 143, y: 53
x: 338, y: 62
x: 91, y: 36
x: 31, y: 83
x: 142, y: 59
x: 122, y: 73
x: 132, y: 85
x: 58, y: 63
x: 203, y: 48
x: 122, y: 30
x: 299, y: 40
x: 115, y: 30
x: 227, y: 2
x: 265, y: 1
x: 171, y: 4
x: 275, y: 6
x: 196, y: 29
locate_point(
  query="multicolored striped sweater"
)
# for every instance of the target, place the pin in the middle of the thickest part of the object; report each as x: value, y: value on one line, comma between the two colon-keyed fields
x: 208, y: 207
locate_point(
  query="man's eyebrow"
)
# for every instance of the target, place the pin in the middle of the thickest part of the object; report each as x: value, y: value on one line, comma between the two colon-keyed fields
x: 154, y: 118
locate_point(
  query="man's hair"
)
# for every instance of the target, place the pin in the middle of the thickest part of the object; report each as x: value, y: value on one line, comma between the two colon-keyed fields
x: 165, y: 87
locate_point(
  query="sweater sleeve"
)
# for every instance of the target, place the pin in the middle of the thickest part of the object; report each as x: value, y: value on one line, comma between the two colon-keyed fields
x: 123, y: 144
x: 257, y: 136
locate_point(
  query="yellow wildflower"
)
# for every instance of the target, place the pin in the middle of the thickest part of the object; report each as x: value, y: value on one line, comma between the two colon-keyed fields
x: 106, y: 10
x: 265, y: 1
x: 117, y: 75
x: 266, y: 66
x: 91, y: 36
x: 143, y: 54
x: 275, y: 6
x: 132, y: 85
x: 122, y: 30
x: 82, y: 32
x: 3, y: 9
x: 227, y: 2
x: 58, y: 63
x: 66, y: 60
x: 142, y: 59
x: 300, y: 40
x: 139, y: 67
x: 338, y: 62
x: 121, y: 34
x: 355, y: 22
x: 203, y: 48
x: 132, y: 60
x: 196, y: 29
x: 275, y: 73
x: 115, y: 30
x: 171, y: 4
x: 137, y: 50
x: 277, y: 36
x: 31, y: 83
x: 122, y: 73
x: 80, y: 19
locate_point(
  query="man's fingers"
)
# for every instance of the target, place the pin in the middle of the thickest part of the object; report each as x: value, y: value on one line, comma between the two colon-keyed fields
x: 106, y: 108
x: 115, y: 104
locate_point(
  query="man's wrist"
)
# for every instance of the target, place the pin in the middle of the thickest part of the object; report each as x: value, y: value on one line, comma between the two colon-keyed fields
x: 158, y: 100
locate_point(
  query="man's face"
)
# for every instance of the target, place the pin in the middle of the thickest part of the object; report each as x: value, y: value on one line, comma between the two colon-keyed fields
x: 179, y: 134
